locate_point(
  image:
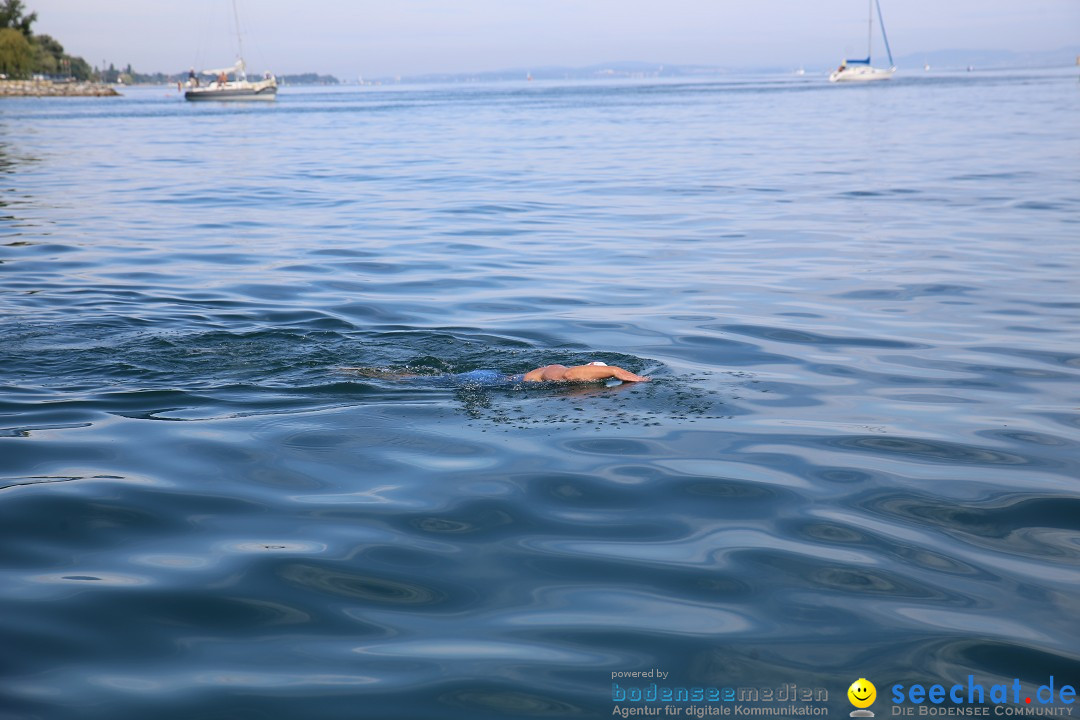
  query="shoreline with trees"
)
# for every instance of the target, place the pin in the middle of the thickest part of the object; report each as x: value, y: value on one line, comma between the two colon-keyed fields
x: 37, y: 65
x: 33, y: 65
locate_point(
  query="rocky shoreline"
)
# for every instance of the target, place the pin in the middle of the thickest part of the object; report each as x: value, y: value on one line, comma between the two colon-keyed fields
x: 48, y: 88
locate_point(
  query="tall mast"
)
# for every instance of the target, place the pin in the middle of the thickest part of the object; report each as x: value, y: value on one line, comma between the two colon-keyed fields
x: 869, y: 29
x: 884, y: 35
x: 241, y: 72
x: 236, y: 20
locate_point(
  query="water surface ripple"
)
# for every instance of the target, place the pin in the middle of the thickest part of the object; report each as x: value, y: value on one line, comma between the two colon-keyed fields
x: 858, y: 456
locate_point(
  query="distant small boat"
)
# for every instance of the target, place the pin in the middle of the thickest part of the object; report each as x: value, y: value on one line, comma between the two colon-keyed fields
x: 800, y: 72
x: 231, y: 83
x: 860, y: 70
x: 926, y: 67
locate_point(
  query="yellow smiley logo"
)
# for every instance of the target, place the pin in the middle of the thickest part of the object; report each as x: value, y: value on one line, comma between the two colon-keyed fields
x: 862, y: 693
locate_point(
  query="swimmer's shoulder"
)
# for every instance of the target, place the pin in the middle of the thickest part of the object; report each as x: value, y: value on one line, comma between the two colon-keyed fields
x: 548, y: 372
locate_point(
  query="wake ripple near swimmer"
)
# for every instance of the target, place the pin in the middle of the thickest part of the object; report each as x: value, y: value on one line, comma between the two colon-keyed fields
x: 219, y: 374
x: 595, y: 406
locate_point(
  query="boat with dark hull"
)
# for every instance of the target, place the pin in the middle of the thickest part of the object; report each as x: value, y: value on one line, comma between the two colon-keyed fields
x: 231, y: 84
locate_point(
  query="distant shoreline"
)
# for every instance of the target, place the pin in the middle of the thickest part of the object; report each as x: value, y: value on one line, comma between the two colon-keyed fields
x: 48, y: 88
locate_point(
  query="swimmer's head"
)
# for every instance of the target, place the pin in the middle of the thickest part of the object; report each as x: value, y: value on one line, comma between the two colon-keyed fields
x: 597, y: 362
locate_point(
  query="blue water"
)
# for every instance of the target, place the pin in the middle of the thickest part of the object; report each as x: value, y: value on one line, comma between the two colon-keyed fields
x: 858, y: 456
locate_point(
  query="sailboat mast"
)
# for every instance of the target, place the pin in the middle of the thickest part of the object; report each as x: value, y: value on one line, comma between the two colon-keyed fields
x: 236, y: 21
x: 241, y: 73
x: 869, y: 30
x: 884, y: 36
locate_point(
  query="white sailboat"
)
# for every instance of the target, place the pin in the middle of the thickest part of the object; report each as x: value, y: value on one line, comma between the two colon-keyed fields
x: 231, y: 83
x: 860, y: 70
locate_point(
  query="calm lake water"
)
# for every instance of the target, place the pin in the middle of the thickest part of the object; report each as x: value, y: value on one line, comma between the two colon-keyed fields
x: 858, y: 456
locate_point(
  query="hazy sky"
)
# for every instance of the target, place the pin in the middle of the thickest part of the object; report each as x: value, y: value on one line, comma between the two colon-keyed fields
x: 404, y: 37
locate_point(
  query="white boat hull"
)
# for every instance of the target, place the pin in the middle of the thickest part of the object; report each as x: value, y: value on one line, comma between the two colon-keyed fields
x: 861, y: 73
x: 234, y: 91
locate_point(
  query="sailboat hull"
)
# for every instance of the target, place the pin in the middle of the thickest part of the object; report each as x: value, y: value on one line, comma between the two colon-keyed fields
x: 860, y: 70
x: 861, y: 73
x: 234, y: 91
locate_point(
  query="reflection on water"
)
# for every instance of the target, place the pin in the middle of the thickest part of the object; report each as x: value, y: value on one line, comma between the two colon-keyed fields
x: 857, y: 456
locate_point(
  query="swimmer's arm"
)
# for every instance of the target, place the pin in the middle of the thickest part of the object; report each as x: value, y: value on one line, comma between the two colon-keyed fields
x: 586, y: 373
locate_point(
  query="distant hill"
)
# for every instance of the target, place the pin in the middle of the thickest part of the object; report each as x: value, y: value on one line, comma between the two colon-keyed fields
x: 989, y: 59
x: 308, y: 79
x: 938, y: 59
x: 159, y: 78
x: 622, y: 69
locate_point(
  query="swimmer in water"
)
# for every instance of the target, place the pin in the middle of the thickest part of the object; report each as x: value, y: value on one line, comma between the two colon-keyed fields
x: 592, y: 372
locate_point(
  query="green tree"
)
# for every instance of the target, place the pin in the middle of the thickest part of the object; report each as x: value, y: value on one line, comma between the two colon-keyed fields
x: 12, y: 15
x: 48, y: 55
x: 38, y: 53
x: 50, y: 59
x: 16, y: 55
x: 79, y: 68
x: 44, y: 62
